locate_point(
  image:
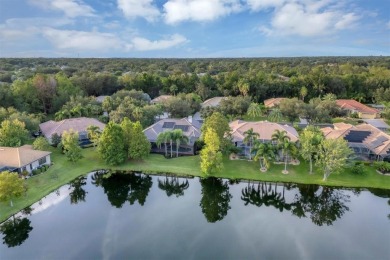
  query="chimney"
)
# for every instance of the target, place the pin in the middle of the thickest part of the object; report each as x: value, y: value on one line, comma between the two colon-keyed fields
x: 190, y: 119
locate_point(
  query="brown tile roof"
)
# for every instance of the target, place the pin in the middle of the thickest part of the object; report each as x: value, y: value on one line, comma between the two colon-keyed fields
x: 378, y: 141
x: 351, y: 104
x: 272, y: 102
x: 264, y: 128
x: 20, y: 156
x: 160, y: 99
x: 79, y: 124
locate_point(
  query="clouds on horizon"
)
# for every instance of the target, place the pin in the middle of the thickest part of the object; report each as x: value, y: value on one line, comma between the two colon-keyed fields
x: 160, y: 26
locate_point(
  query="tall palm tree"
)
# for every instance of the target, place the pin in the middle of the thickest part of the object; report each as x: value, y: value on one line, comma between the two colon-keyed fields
x: 162, y: 138
x: 179, y: 137
x: 265, y: 153
x: 289, y: 148
x: 275, y: 115
x: 250, y: 137
x: 280, y: 137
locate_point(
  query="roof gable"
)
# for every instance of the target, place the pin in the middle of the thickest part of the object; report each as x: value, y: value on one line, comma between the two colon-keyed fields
x: 351, y: 104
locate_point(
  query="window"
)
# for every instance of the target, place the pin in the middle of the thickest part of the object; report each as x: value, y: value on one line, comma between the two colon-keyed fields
x: 42, y: 161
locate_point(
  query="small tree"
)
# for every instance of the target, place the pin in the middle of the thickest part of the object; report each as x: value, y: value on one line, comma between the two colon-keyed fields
x: 94, y: 134
x: 139, y: 147
x: 70, y: 144
x: 249, y: 139
x: 210, y: 156
x: 265, y: 154
x: 11, y: 186
x: 111, y: 145
x: 13, y: 133
x: 55, y: 139
x: 220, y: 125
x: 41, y: 144
x: 179, y: 138
x: 162, y: 138
x: 332, y: 155
x: 255, y: 110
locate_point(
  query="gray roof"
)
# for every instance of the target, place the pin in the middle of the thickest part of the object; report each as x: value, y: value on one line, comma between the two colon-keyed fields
x: 378, y: 123
x: 79, y: 124
x: 191, y: 131
x: 212, y: 102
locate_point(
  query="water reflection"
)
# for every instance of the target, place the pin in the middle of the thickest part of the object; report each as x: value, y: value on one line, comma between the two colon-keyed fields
x: 122, y: 187
x: 215, y: 199
x: 78, y: 193
x: 173, y: 186
x: 15, y: 231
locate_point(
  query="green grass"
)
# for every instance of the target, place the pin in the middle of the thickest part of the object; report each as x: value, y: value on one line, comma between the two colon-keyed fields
x: 63, y: 172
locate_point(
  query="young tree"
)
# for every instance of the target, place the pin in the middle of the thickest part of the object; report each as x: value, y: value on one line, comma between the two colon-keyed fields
x: 310, y: 140
x: 289, y: 148
x: 210, y: 156
x: 11, y: 186
x: 70, y: 144
x: 55, y: 139
x: 265, y: 154
x: 220, y: 125
x: 332, y: 155
x: 41, y: 144
x: 111, y: 145
x: 280, y: 137
x: 179, y: 138
x: 13, y: 133
x: 249, y: 139
x: 275, y: 115
x: 139, y: 147
x: 162, y: 138
x: 94, y: 134
x: 254, y: 110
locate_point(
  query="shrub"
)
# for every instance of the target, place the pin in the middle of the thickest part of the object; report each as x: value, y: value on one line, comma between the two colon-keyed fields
x: 358, y: 168
x: 383, y: 167
x: 35, y: 172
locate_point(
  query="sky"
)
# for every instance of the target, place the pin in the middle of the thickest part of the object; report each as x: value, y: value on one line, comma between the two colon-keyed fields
x: 194, y: 28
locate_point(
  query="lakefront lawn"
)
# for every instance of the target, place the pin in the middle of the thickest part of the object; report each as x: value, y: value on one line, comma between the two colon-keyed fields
x: 63, y: 171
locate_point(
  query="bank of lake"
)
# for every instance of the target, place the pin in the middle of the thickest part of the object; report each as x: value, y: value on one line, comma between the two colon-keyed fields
x: 62, y: 171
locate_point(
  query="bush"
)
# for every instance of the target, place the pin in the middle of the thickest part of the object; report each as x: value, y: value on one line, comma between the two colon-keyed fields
x: 358, y: 168
x: 35, y: 172
x: 383, y: 167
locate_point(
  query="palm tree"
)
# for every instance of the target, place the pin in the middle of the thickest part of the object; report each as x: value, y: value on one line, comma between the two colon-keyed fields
x: 265, y: 153
x: 163, y: 138
x: 275, y: 115
x: 255, y: 110
x: 288, y: 148
x: 250, y: 137
x: 280, y: 137
x: 179, y: 137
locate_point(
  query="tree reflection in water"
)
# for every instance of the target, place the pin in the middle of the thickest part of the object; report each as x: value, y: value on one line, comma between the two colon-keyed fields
x: 78, y: 194
x: 323, y: 205
x: 215, y: 198
x: 122, y: 187
x: 173, y: 186
x: 15, y: 231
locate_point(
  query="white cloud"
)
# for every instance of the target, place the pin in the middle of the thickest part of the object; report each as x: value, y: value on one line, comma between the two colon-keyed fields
x: 256, y: 5
x: 388, y: 25
x: 81, y: 40
x: 309, y: 18
x: 105, y: 42
x: 139, y: 8
x: 143, y: 44
x: 71, y: 8
x: 176, y: 11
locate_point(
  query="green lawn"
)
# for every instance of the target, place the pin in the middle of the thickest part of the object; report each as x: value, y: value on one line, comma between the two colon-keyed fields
x: 64, y: 171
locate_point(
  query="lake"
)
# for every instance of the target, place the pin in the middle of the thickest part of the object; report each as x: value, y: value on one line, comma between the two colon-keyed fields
x: 136, y: 216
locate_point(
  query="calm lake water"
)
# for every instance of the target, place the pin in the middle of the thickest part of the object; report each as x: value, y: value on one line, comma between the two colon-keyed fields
x: 136, y: 216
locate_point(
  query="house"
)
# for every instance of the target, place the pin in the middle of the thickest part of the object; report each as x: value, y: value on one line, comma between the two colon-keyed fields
x: 23, y: 158
x: 367, y: 141
x: 265, y: 130
x: 212, y: 102
x: 79, y: 125
x: 378, y: 123
x: 160, y: 99
x: 189, y: 129
x: 272, y: 102
x: 353, y: 106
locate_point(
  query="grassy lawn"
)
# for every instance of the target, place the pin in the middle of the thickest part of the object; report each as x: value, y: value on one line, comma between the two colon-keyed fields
x: 64, y: 171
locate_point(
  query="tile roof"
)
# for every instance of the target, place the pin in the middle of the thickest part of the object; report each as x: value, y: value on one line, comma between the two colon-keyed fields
x: 264, y: 128
x: 377, y: 141
x: 20, y: 156
x: 79, y: 124
x: 160, y: 99
x: 154, y: 130
x: 212, y: 102
x: 271, y: 102
x: 351, y: 104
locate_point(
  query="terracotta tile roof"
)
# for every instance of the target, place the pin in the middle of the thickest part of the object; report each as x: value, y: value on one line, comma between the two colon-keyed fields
x: 79, y: 124
x: 264, y: 128
x: 272, y: 102
x: 351, y: 104
x: 20, y: 156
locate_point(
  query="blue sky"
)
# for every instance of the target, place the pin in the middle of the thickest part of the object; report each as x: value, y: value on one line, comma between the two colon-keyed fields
x: 194, y: 28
